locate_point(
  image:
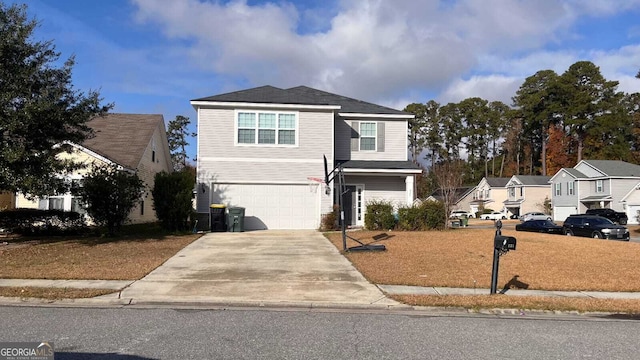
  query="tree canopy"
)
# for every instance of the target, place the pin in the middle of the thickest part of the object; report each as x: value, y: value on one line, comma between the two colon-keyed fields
x: 40, y: 111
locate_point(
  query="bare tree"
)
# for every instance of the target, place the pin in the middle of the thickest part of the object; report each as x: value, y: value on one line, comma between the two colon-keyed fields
x: 448, y: 175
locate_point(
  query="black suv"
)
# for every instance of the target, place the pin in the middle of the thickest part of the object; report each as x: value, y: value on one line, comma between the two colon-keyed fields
x: 594, y: 226
x: 615, y: 216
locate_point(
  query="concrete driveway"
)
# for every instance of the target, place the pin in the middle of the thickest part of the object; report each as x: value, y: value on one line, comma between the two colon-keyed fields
x: 261, y: 267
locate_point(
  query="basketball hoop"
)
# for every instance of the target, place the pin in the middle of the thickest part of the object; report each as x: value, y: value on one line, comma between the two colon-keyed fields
x: 314, y: 183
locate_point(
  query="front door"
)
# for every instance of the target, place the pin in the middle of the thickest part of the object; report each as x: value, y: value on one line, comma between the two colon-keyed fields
x: 354, y: 205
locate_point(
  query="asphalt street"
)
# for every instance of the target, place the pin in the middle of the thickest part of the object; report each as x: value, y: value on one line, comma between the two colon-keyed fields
x: 192, y: 333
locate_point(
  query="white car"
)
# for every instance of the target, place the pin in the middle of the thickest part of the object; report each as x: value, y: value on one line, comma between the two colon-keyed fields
x: 534, y: 216
x: 496, y: 215
x: 457, y: 214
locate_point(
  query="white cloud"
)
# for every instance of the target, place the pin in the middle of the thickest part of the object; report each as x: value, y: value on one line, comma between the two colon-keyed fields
x: 491, y: 88
x: 380, y: 51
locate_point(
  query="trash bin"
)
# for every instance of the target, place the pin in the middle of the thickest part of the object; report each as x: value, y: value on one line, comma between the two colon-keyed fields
x: 464, y: 220
x: 218, y: 219
x: 235, y: 220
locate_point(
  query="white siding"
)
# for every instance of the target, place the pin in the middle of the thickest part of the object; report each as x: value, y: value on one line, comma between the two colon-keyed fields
x: 387, y: 188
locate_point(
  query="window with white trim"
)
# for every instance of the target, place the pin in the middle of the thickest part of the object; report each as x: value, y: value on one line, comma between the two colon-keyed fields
x: 558, y: 189
x: 368, y: 136
x: 512, y: 192
x: 266, y: 128
x: 570, y: 188
x: 599, y: 186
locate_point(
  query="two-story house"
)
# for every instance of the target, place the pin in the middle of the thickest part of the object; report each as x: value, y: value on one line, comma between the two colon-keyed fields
x: 527, y: 193
x: 262, y: 149
x: 593, y: 184
x: 134, y: 142
x: 490, y: 193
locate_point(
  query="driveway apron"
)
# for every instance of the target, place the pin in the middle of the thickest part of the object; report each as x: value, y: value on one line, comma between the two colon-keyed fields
x: 271, y: 266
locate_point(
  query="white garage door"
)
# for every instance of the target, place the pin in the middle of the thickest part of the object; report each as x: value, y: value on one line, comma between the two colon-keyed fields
x: 269, y: 206
x: 560, y: 213
x: 632, y: 213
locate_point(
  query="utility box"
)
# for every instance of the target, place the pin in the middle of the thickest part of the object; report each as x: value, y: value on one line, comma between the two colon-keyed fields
x: 218, y: 218
x: 235, y: 220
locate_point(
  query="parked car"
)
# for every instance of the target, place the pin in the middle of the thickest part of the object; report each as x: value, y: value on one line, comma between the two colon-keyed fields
x: 496, y: 215
x: 594, y: 226
x: 457, y: 214
x: 615, y: 216
x: 541, y: 226
x: 534, y: 216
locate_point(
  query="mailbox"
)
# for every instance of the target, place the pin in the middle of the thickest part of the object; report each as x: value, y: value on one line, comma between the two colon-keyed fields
x: 504, y: 243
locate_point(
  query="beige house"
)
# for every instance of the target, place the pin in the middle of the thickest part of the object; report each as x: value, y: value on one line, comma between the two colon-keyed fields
x: 490, y: 194
x: 134, y: 142
x: 527, y: 193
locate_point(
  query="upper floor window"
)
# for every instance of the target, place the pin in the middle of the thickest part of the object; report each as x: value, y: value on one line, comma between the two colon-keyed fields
x: 265, y: 128
x: 570, y: 188
x: 558, y: 189
x: 368, y: 135
x: 599, y: 186
x: 486, y: 194
x: 521, y: 191
x: 512, y: 192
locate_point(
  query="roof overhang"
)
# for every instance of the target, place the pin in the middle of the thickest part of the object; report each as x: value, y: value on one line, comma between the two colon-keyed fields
x: 513, y: 202
x: 198, y: 103
x: 594, y: 198
x: 381, y: 171
x: 378, y: 116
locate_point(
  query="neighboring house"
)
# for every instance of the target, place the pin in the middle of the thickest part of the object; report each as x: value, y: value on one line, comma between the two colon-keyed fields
x: 134, y: 142
x: 596, y: 184
x: 261, y: 148
x: 490, y: 194
x: 527, y: 193
x: 462, y: 197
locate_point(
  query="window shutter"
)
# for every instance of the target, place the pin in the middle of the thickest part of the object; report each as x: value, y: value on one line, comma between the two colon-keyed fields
x: 380, y: 137
x: 355, y: 136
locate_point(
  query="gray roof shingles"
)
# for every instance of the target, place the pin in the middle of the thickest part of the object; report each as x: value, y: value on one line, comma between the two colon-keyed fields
x: 302, y: 95
x: 380, y: 164
x: 122, y: 138
x: 534, y: 179
x: 615, y: 167
x: 497, y: 181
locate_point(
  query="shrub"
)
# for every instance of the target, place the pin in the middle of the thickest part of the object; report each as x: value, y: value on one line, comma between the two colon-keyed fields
x: 42, y: 222
x: 172, y: 194
x: 379, y: 215
x: 428, y: 215
x: 330, y: 220
x: 110, y: 194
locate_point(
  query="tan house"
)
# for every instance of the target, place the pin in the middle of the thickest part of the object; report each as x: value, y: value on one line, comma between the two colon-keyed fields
x: 134, y: 142
x: 527, y: 193
x: 490, y: 193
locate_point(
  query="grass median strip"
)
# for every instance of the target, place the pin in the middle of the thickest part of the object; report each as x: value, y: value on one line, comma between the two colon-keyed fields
x: 52, y: 293
x: 523, y: 302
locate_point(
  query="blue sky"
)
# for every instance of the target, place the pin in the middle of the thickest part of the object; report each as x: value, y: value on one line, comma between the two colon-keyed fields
x: 153, y: 56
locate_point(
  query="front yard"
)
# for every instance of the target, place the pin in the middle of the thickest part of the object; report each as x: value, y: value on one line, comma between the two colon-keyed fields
x: 463, y: 258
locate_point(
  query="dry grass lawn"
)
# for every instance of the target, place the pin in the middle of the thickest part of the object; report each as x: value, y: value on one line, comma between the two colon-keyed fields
x: 125, y: 258
x: 51, y: 293
x: 463, y: 258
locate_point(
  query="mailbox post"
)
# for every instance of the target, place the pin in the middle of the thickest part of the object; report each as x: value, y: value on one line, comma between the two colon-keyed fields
x: 501, y: 245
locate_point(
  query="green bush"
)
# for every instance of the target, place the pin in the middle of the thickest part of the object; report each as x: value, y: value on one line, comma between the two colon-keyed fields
x: 172, y: 193
x: 427, y: 216
x: 379, y: 215
x: 42, y: 222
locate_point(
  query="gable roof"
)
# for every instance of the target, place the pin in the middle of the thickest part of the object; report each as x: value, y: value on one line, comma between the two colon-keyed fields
x: 615, y: 167
x: 122, y: 138
x: 302, y: 95
x: 458, y: 193
x: 497, y: 182
x: 533, y: 180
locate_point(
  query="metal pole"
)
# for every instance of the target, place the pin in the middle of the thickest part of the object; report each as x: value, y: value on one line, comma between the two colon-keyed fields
x: 494, y: 271
x: 496, y: 262
x: 343, y: 226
